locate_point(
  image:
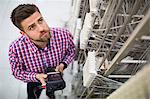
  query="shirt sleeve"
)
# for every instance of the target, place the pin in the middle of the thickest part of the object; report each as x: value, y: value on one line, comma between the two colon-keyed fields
x: 70, y: 53
x: 18, y: 69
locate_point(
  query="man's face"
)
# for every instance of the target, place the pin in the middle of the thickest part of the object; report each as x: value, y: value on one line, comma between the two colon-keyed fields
x: 36, y: 28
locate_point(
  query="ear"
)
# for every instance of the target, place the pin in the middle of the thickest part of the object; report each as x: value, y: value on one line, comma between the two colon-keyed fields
x: 21, y: 32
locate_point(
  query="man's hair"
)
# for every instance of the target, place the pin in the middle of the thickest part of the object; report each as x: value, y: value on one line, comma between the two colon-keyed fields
x: 22, y: 12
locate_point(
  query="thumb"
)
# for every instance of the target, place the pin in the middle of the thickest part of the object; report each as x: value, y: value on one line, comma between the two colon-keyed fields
x: 42, y: 79
x: 44, y: 75
x: 57, y: 69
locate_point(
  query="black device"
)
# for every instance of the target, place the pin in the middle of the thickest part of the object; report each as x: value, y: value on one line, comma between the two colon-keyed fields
x: 54, y: 80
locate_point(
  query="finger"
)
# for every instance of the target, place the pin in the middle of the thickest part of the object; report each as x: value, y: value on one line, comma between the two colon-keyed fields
x: 57, y: 69
x: 42, y: 81
x: 44, y: 75
x: 61, y: 70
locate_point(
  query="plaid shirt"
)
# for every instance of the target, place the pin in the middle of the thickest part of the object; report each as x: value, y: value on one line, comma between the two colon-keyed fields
x: 26, y: 59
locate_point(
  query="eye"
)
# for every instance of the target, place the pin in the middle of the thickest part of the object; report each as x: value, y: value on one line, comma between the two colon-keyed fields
x: 32, y: 27
x: 40, y: 20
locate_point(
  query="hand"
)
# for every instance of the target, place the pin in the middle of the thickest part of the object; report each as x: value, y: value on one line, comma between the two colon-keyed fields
x: 41, y: 78
x: 60, y: 68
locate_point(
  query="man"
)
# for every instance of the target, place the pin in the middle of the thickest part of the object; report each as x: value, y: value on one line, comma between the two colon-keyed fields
x: 38, y: 47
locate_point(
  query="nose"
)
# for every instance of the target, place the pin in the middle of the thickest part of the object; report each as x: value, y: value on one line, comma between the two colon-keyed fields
x: 40, y: 27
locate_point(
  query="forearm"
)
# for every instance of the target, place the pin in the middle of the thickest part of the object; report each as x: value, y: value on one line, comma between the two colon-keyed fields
x: 25, y: 76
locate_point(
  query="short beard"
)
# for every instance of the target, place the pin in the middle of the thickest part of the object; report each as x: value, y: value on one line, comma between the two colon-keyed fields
x: 44, y: 39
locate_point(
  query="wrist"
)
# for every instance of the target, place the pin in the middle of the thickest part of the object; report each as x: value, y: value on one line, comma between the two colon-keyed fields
x: 37, y: 76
